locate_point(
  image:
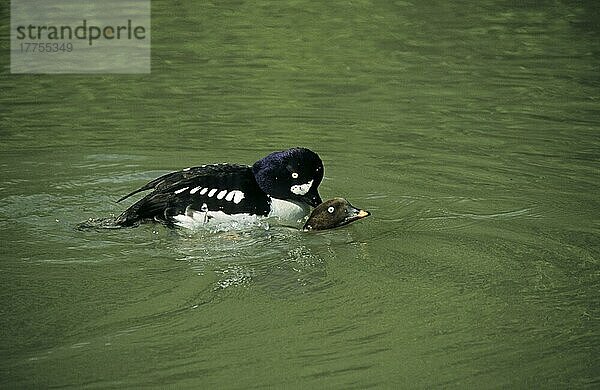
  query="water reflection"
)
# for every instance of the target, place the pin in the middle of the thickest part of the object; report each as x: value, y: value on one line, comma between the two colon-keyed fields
x: 279, y: 259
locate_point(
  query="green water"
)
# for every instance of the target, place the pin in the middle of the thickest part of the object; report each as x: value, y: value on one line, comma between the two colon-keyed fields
x: 470, y: 130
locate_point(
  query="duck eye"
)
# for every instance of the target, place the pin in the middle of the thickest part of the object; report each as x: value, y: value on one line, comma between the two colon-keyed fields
x: 331, y: 209
x: 294, y: 175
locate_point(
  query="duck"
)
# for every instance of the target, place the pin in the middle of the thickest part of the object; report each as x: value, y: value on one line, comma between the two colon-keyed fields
x: 333, y: 213
x: 281, y: 186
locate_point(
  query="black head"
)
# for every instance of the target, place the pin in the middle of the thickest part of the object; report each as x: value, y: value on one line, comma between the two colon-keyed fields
x: 292, y: 174
x: 334, y: 213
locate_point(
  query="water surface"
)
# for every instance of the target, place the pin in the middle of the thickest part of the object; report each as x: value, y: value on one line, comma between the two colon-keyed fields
x: 471, y: 131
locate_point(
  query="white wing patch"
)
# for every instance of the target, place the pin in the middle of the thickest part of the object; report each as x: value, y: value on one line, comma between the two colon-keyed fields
x: 221, y: 194
x: 238, y: 196
x: 235, y: 196
x: 301, y: 189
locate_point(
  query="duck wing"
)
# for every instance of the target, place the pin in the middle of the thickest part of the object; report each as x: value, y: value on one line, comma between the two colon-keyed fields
x: 229, y: 188
x: 171, y: 179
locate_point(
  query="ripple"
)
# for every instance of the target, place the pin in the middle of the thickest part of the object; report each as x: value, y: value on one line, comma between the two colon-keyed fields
x: 278, y: 260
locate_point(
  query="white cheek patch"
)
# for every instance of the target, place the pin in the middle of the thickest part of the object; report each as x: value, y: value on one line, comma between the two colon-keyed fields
x: 301, y: 189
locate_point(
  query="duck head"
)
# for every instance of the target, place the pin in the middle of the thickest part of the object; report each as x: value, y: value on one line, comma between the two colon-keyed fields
x: 333, y: 213
x: 293, y: 174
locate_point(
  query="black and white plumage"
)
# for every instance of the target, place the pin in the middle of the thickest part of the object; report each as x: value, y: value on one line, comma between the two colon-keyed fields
x: 281, y: 185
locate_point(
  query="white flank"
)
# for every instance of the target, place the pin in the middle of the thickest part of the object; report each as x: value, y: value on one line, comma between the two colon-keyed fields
x: 221, y: 194
x: 282, y: 212
x: 212, y: 192
x: 217, y: 220
x: 195, y: 189
x: 288, y: 211
x: 179, y: 191
x: 301, y: 189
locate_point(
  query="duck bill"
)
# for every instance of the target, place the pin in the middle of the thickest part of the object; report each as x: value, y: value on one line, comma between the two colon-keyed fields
x: 354, y: 215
